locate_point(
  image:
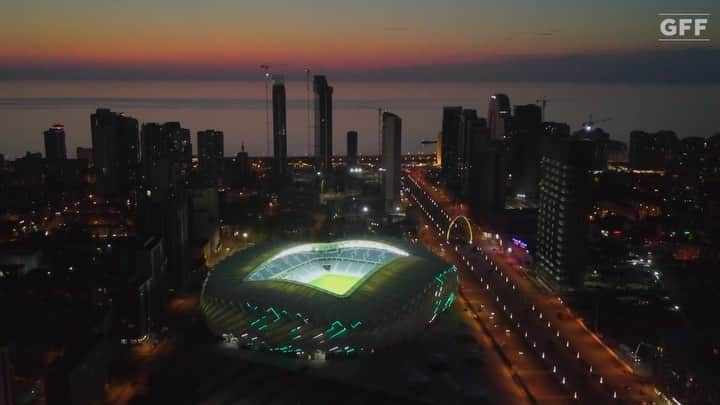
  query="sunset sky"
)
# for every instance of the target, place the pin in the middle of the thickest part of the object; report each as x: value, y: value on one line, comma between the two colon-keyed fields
x: 216, y: 35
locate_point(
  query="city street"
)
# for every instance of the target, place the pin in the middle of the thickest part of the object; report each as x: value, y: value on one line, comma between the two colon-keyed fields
x: 560, y: 339
x: 528, y: 371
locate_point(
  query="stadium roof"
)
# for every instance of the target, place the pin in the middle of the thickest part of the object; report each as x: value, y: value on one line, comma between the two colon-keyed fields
x: 405, y: 271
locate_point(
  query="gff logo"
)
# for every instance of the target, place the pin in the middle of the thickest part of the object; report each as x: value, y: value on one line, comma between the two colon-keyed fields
x: 684, y: 27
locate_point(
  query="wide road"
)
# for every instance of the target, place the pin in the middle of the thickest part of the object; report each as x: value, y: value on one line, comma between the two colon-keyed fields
x: 555, y: 334
x: 527, y: 371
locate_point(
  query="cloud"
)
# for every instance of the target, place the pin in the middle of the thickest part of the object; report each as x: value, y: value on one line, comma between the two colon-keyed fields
x: 690, y: 65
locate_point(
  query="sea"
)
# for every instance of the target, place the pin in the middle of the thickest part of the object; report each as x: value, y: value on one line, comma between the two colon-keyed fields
x: 240, y: 109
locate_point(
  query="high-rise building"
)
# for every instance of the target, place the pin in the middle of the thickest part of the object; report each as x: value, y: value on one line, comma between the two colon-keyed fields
x: 166, y: 157
x: 204, y: 223
x: 179, y: 145
x: 237, y: 169
x: 352, y: 148
x: 280, y: 166
x: 211, y: 151
x: 617, y: 151
x: 498, y: 115
x: 524, y: 142
x: 692, y: 152
x: 451, y: 134
x: 438, y: 150
x: 115, y: 151
x: 55, y: 143
x: 472, y: 129
x: 486, y: 186
x: 556, y: 129
x: 565, y: 204
x: 323, y: 123
x: 168, y: 217
x: 85, y: 154
x: 391, y: 157
x: 653, y: 151
x: 601, y: 141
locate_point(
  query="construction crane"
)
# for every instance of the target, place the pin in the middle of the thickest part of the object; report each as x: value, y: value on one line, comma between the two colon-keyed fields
x: 307, y: 107
x: 590, y: 123
x: 379, y: 110
x: 268, y: 75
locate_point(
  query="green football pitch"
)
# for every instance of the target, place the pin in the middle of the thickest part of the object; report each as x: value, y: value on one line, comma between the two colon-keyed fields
x: 335, y: 283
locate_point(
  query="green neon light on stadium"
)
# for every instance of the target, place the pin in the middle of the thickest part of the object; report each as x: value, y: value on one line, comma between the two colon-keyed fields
x: 336, y: 324
x: 449, y: 301
x: 277, y: 316
x: 338, y: 333
x: 253, y: 323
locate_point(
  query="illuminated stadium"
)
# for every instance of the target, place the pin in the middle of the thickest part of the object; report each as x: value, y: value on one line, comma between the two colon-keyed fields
x: 340, y: 298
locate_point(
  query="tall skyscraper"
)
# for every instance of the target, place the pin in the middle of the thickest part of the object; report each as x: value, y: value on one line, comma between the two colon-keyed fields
x: 55, y: 143
x: 653, y: 150
x: 323, y: 123
x: 563, y: 211
x: 352, y: 148
x: 163, y: 209
x: 498, y: 115
x: 451, y: 134
x: 211, y: 151
x: 166, y: 157
x: 279, y: 129
x: 391, y: 157
x: 524, y: 139
x: 485, y: 189
x: 472, y: 127
x: 115, y: 151
x: 179, y: 145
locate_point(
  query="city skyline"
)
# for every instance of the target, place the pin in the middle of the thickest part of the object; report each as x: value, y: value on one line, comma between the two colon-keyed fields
x: 237, y: 108
x: 376, y: 202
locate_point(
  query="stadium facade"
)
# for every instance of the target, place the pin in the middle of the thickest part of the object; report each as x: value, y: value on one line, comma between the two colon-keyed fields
x: 334, y: 298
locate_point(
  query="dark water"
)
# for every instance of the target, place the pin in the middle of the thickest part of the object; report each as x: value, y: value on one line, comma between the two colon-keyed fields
x: 27, y: 108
